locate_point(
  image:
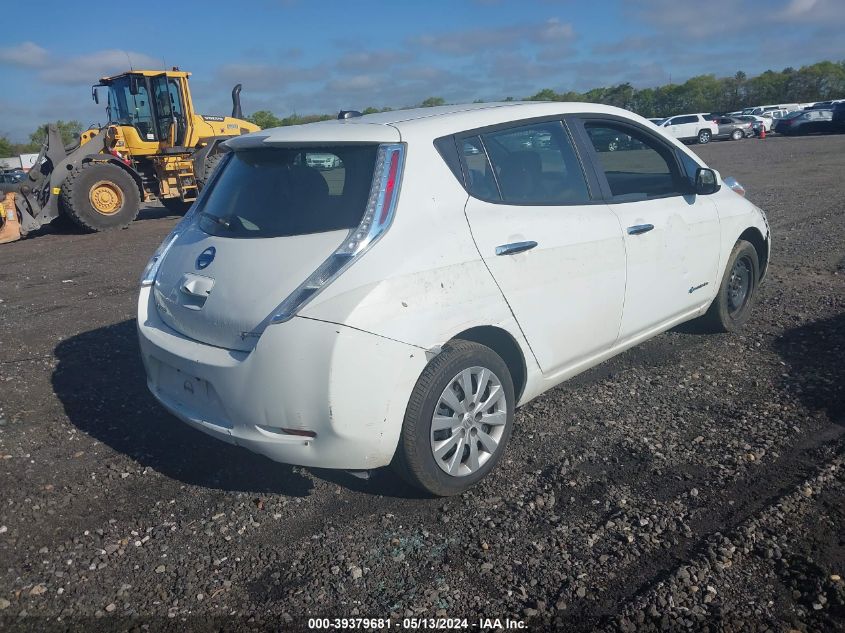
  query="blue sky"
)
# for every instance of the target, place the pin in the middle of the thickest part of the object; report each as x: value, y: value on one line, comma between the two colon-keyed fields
x: 307, y: 56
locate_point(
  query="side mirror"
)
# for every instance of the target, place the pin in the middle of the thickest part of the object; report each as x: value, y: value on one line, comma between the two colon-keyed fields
x: 94, y: 95
x: 133, y: 84
x: 706, y: 181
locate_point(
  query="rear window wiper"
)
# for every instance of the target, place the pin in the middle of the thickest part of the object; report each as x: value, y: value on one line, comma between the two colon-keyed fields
x: 216, y: 219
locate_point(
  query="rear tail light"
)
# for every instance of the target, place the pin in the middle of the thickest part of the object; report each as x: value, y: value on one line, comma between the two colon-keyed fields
x: 378, y: 216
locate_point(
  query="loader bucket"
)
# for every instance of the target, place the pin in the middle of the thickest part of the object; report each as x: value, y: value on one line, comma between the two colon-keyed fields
x: 10, y: 226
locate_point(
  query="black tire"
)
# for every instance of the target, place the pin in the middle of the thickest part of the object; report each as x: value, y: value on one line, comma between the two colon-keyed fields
x: 612, y: 146
x: 176, y: 205
x: 704, y: 137
x: 78, y: 191
x: 414, y: 460
x: 726, y: 313
x: 209, y: 165
x: 737, y: 135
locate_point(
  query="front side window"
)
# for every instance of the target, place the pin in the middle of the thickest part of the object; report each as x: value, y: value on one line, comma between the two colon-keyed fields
x: 536, y: 164
x: 640, y: 168
x: 278, y: 192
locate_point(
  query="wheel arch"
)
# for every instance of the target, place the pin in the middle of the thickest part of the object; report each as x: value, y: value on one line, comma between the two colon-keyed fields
x: 110, y: 160
x: 506, y: 346
x: 755, y: 238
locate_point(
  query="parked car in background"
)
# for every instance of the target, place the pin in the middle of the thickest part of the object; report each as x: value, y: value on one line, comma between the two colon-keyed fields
x: 320, y: 328
x: 757, y: 122
x: 12, y: 176
x: 733, y: 128
x: 691, y: 127
x: 838, y: 118
x: 806, y: 122
x: 657, y: 122
x: 608, y: 140
x: 759, y: 110
x: 824, y: 105
x: 774, y: 115
x: 322, y: 161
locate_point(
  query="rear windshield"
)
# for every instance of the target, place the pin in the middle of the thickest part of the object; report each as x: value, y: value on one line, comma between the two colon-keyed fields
x: 279, y: 192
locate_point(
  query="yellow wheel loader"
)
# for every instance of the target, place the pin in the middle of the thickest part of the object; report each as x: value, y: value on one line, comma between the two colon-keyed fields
x: 154, y: 147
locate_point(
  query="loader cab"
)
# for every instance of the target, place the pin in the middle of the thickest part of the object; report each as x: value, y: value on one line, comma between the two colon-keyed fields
x: 154, y: 104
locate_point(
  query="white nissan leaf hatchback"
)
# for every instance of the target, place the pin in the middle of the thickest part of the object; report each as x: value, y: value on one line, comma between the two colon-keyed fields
x: 439, y: 268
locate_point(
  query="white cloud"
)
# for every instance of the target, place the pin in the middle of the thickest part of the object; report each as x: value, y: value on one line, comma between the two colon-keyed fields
x: 26, y: 54
x: 798, y: 7
x: 474, y: 41
x: 87, y: 69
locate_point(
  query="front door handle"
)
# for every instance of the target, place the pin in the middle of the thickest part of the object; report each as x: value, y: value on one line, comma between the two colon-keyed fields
x: 515, y: 247
x: 639, y: 229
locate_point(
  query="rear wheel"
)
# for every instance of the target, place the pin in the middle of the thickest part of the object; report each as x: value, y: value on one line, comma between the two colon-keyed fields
x: 732, y: 306
x: 613, y: 145
x: 458, y: 420
x: 737, y: 135
x: 209, y: 165
x: 176, y: 205
x: 704, y: 136
x: 100, y: 196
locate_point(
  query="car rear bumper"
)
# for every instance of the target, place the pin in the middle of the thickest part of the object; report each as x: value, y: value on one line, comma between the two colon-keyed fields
x: 348, y: 387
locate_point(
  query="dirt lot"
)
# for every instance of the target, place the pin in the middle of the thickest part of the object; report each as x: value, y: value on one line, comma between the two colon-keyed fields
x: 696, y: 482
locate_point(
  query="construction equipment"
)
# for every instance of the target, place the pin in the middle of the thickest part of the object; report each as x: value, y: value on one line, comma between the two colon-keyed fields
x: 10, y: 228
x: 154, y: 146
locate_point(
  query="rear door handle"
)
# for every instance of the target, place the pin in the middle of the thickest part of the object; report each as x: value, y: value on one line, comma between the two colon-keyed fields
x: 515, y: 247
x: 639, y: 229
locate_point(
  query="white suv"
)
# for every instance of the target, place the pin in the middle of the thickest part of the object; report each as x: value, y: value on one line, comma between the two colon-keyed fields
x: 691, y: 127
x: 398, y: 308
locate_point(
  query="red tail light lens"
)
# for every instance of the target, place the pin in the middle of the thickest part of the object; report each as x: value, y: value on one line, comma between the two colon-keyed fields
x: 389, y: 188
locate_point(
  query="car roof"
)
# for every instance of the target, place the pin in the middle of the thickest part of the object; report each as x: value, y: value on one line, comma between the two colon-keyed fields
x: 397, y: 125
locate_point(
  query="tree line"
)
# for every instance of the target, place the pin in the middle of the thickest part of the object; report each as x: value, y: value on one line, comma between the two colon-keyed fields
x: 708, y: 93
x: 703, y: 93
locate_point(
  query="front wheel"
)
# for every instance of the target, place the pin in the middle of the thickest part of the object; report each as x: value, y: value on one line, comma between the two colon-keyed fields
x: 458, y: 420
x: 100, y: 196
x: 732, y: 306
x: 704, y: 137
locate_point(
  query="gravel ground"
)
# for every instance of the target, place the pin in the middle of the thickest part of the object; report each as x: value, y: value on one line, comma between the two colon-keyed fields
x: 693, y: 483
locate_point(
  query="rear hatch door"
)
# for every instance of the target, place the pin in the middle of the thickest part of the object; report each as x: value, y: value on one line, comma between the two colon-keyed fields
x: 271, y: 218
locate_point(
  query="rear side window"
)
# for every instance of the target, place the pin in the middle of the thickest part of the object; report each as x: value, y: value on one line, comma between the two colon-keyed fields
x: 480, y: 179
x: 536, y: 164
x: 277, y: 192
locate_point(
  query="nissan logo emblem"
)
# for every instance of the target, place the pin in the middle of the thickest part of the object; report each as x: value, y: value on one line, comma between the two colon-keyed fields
x: 206, y: 257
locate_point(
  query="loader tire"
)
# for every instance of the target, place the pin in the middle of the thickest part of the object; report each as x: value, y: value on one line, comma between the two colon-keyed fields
x: 209, y: 165
x: 100, y: 197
